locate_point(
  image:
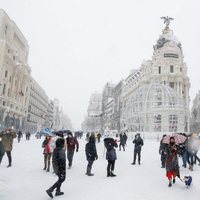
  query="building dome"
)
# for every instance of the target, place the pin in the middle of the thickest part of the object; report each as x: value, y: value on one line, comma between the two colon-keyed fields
x: 155, y: 107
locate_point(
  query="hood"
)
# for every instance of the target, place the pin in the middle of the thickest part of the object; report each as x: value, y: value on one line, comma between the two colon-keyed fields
x: 60, y: 142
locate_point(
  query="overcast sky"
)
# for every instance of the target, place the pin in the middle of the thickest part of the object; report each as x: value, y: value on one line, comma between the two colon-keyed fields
x: 76, y: 46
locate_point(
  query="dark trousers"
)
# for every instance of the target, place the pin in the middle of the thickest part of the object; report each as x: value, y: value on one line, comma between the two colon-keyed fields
x: 123, y: 146
x: 47, y: 161
x: 57, y: 185
x: 90, y: 163
x: 110, y: 166
x: 196, y: 158
x: 89, y: 166
x: 70, y: 154
x: 137, y: 153
x: 9, y: 157
x: 184, y: 158
x: 191, y: 158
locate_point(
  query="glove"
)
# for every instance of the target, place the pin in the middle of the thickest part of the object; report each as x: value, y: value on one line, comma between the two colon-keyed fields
x: 76, y: 150
x: 96, y: 157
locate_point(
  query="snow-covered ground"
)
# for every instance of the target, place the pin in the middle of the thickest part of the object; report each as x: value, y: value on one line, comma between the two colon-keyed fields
x: 26, y: 180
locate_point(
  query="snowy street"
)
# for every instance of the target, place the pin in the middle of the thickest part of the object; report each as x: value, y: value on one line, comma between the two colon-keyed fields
x: 26, y: 180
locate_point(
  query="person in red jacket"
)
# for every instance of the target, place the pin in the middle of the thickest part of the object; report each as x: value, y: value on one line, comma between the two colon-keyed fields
x: 48, y: 149
x: 72, y: 144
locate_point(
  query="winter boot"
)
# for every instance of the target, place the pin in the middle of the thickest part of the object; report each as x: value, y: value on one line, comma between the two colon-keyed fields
x: 112, y: 174
x: 108, y: 173
x: 47, y: 169
x: 133, y: 163
x: 49, y: 192
x: 89, y: 172
x: 8, y: 165
x: 174, y: 180
x: 191, y: 167
x: 170, y: 183
x: 58, y: 193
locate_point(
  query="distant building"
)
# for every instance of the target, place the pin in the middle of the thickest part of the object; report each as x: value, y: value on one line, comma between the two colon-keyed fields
x: 92, y: 121
x: 37, y: 110
x: 195, y: 114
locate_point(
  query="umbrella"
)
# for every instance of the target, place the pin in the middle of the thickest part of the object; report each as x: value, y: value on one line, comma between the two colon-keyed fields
x: 46, y: 134
x: 62, y: 133
x: 179, y: 139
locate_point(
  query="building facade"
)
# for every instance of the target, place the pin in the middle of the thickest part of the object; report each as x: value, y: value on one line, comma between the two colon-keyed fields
x: 37, y: 109
x: 155, y: 98
x: 195, y: 115
x: 117, y: 107
x: 92, y: 121
x: 14, y: 75
x: 107, y: 95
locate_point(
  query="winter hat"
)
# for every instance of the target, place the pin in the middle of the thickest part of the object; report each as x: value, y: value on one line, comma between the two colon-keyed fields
x: 60, y: 142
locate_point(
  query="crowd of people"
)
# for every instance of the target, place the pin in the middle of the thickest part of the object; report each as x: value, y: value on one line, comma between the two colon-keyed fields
x: 60, y: 147
x: 170, y: 152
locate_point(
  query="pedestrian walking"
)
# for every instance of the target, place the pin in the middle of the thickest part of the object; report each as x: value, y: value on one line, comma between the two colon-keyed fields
x: 172, y: 167
x: 19, y: 136
x: 59, y: 163
x: 72, y: 145
x: 48, y: 149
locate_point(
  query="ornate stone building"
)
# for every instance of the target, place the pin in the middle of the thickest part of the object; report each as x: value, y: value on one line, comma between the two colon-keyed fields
x: 155, y: 98
x: 14, y: 75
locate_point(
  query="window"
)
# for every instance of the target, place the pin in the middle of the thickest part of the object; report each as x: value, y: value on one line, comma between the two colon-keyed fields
x: 173, y: 121
x: 171, y: 84
x: 6, y: 73
x: 171, y: 69
x: 4, y: 103
x: 157, y: 123
x: 10, y: 79
x: 6, y: 29
x: 13, y: 57
x: 159, y: 69
x: 4, y: 88
x: 181, y: 69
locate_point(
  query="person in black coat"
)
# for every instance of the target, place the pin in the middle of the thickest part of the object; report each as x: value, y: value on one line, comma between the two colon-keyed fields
x: 59, y: 165
x: 122, y: 142
x: 110, y: 145
x: 91, y: 154
x: 162, y: 152
x: 137, y: 149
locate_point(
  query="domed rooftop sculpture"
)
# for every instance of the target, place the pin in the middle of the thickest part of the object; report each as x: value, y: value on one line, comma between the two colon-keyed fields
x: 167, y: 35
